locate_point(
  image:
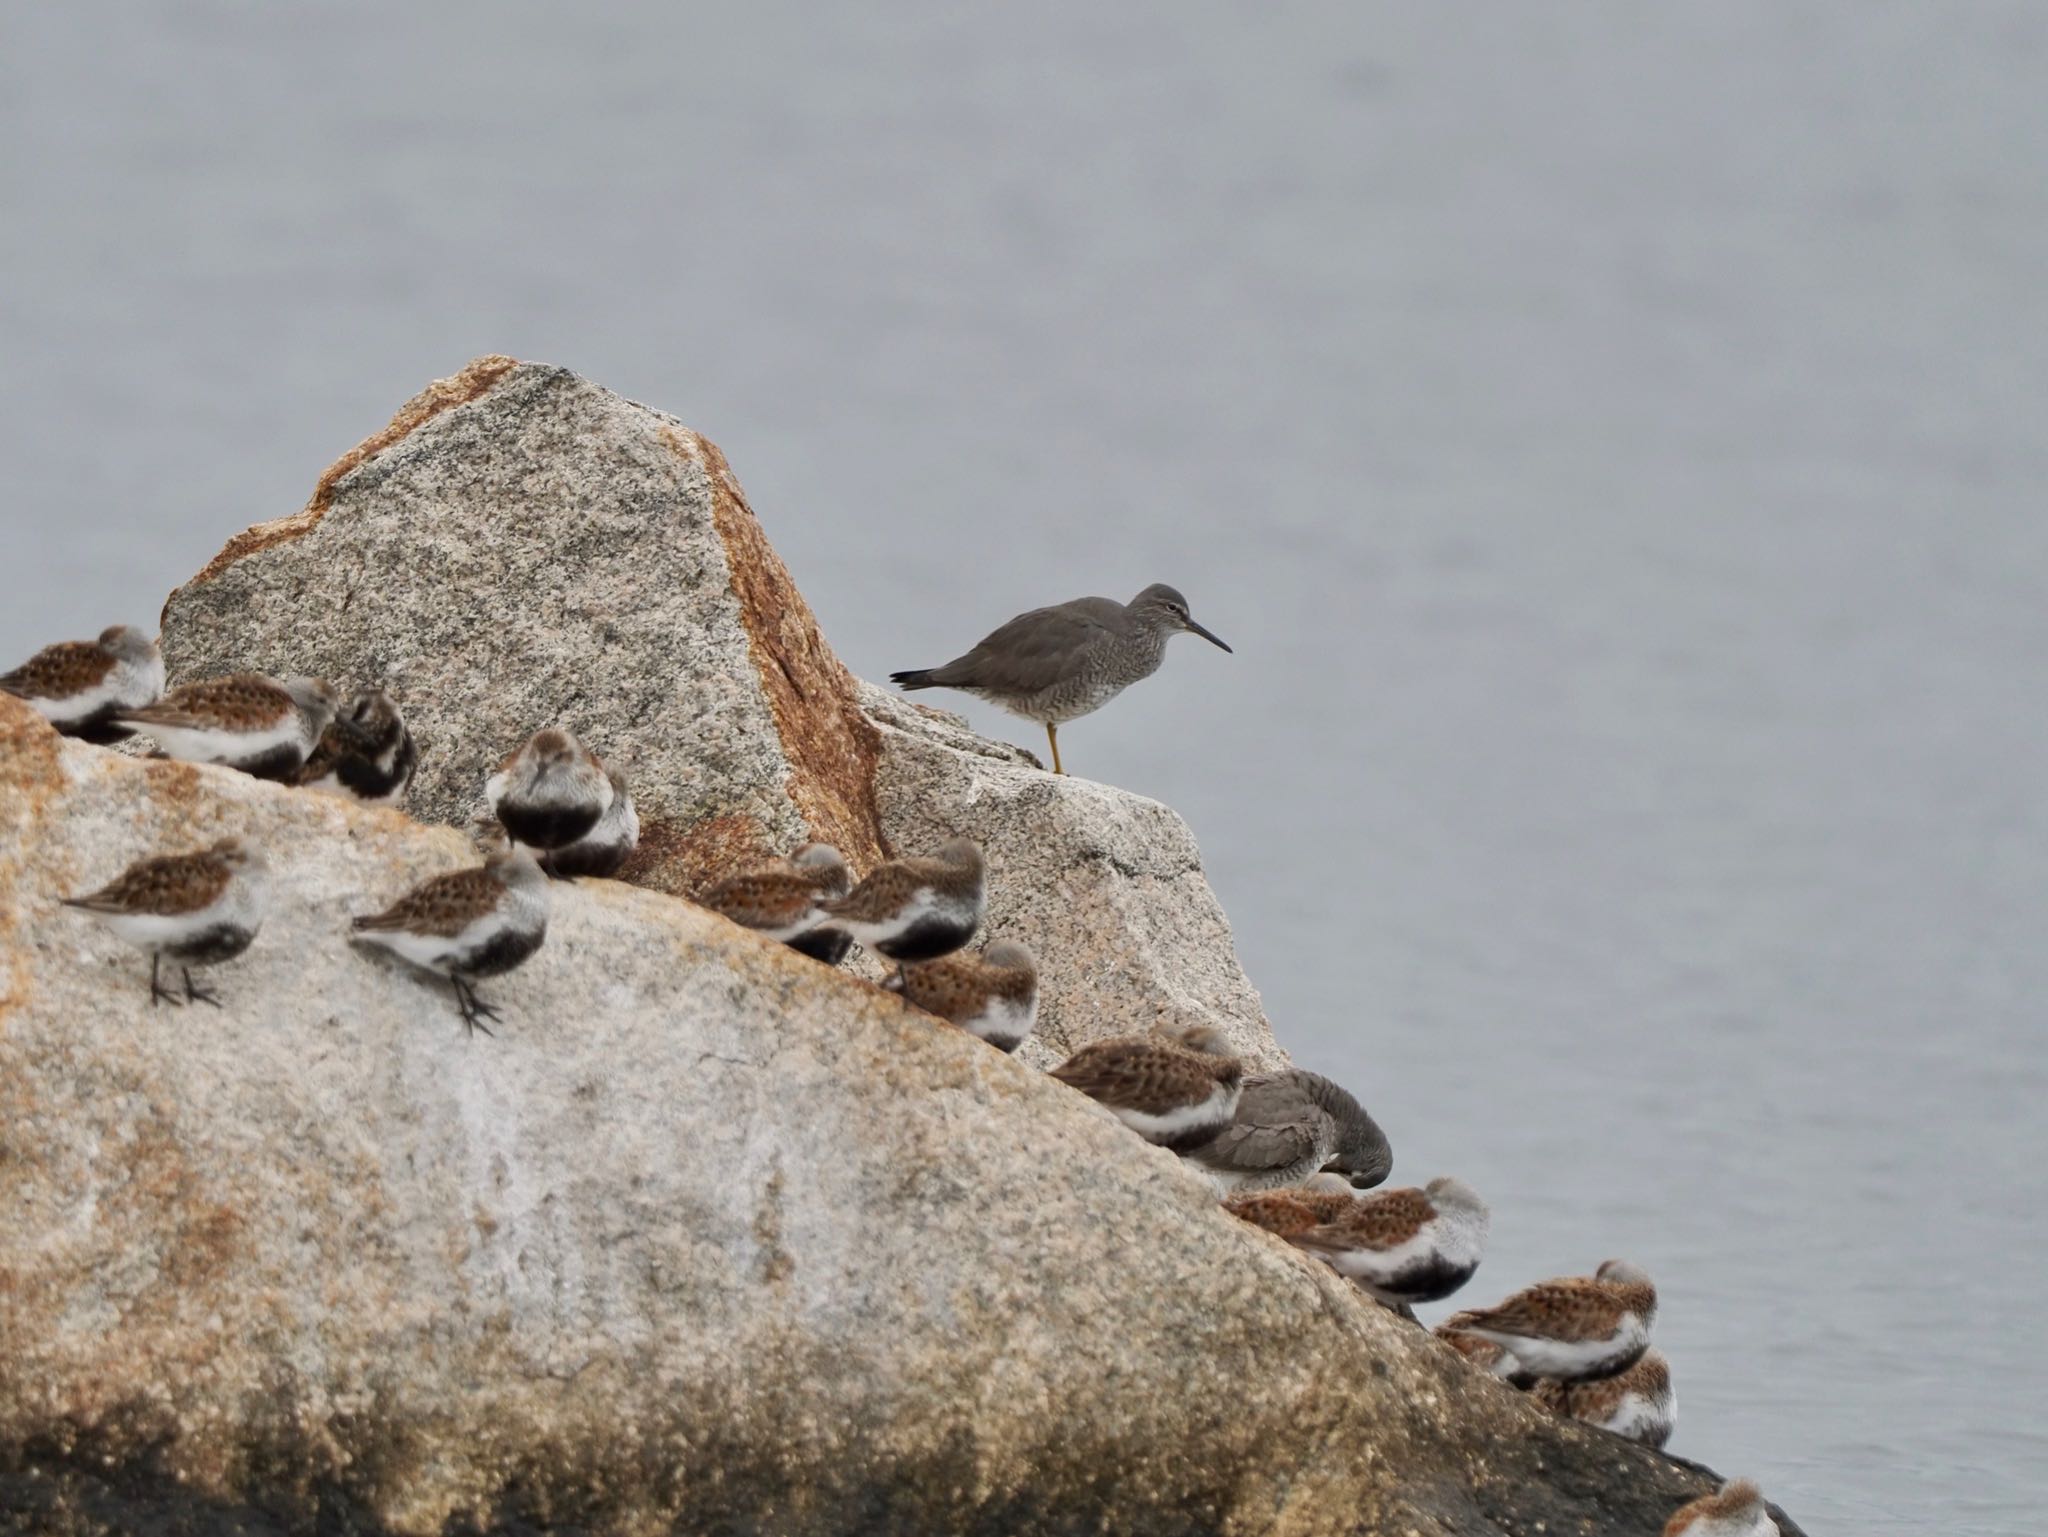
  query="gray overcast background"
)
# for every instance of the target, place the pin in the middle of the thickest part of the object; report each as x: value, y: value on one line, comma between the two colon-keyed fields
x: 1612, y: 437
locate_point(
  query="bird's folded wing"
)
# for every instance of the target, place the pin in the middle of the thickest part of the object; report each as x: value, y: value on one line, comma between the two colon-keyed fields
x: 69, y: 667
x: 443, y: 906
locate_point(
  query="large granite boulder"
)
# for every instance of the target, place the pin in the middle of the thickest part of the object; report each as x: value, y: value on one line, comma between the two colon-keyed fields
x: 708, y: 1239
x: 522, y: 548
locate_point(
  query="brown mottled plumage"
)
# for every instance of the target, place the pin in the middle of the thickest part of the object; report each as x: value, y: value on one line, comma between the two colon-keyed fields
x: 467, y: 924
x: 1736, y: 1510
x: 167, y: 885
x: 1289, y: 1211
x: 1494, y: 1360
x: 266, y: 727
x: 1575, y: 1327
x: 200, y: 909
x: 79, y: 685
x: 993, y: 995
x: 1175, y: 1089
x: 917, y: 909
x: 1404, y: 1246
x: 1637, y: 1404
x: 785, y: 900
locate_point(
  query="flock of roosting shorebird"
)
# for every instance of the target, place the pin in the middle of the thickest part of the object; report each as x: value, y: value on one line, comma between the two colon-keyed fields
x: 1292, y: 1152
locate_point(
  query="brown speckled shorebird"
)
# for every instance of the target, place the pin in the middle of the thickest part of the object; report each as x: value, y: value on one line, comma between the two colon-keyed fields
x: 550, y: 791
x: 1738, y: 1510
x: 1288, y: 1126
x: 1637, y: 1404
x: 366, y: 753
x: 467, y: 924
x: 1176, y: 1088
x: 1404, y: 1246
x: 993, y: 995
x: 199, y: 909
x: 917, y: 909
x: 78, y: 685
x: 266, y: 727
x: 1576, y: 1327
x: 785, y: 901
x: 1057, y: 664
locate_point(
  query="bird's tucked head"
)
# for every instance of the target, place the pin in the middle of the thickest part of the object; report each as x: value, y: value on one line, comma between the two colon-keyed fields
x: 1011, y: 954
x: 315, y: 696
x: 1447, y: 1194
x: 127, y: 643
x: 1164, y: 608
x: 371, y: 721
x: 1619, y: 1272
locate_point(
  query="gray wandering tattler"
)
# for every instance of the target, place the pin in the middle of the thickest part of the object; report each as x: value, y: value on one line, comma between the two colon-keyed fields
x: 1057, y: 664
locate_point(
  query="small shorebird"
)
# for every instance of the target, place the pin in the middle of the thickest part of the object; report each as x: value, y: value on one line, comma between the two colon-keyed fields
x: 78, y: 685
x: 550, y: 791
x: 786, y: 901
x: 199, y: 909
x: 604, y: 848
x: 917, y: 909
x: 266, y: 727
x: 1637, y: 1404
x: 1494, y: 1360
x: 993, y: 995
x: 1175, y: 1088
x: 1738, y: 1510
x: 1288, y: 1126
x: 1057, y: 664
x: 1574, y: 1328
x: 467, y: 924
x: 366, y: 753
x: 1404, y: 1246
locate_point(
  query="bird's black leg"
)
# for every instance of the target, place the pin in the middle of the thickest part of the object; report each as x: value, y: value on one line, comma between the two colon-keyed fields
x: 481, y: 1009
x: 466, y: 1001
x: 197, y: 994
x: 157, y: 994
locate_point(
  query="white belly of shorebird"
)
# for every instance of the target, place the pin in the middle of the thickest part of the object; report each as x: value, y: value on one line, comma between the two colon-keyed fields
x: 1640, y: 1417
x: 207, y: 746
x: 1166, y: 1124
x: 163, y: 931
x: 1573, y: 1359
x: 1003, y: 1022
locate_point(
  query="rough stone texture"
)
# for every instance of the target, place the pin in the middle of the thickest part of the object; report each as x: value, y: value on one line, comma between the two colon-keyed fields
x: 521, y: 548
x: 1104, y: 885
x: 709, y: 1240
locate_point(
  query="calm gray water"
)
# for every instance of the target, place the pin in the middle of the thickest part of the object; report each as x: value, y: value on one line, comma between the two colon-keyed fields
x: 1612, y: 438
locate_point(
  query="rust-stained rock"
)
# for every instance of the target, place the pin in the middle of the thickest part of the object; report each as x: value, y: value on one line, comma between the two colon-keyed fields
x: 522, y: 548
x: 709, y: 1238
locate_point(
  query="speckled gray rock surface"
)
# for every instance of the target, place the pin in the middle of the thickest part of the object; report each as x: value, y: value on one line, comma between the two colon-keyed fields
x: 522, y: 548
x: 1105, y: 886
x: 708, y: 1239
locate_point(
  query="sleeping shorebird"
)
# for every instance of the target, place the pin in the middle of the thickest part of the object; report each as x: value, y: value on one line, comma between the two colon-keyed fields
x: 266, y: 727
x: 1175, y: 1088
x: 1637, y: 1404
x: 550, y: 791
x: 199, y: 909
x: 917, y: 909
x: 366, y: 753
x: 467, y: 924
x: 785, y: 901
x: 1290, y: 1125
x: 1404, y: 1246
x: 79, y: 685
x: 1056, y: 664
x: 1577, y: 1327
x: 1738, y: 1510
x: 993, y: 995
